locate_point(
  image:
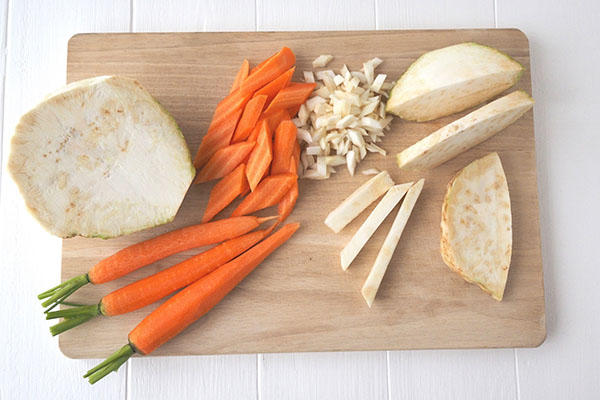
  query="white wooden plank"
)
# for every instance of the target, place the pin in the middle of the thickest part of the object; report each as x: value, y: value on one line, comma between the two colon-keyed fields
x: 344, y: 375
x: 434, y: 14
x: 3, y: 32
x: 207, y: 377
x: 563, y: 39
x: 446, y: 374
x: 193, y: 15
x: 211, y: 377
x: 452, y: 374
x: 313, y: 15
x: 31, y: 364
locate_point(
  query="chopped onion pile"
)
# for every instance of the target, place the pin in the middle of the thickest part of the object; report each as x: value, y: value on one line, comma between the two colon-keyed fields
x: 343, y: 120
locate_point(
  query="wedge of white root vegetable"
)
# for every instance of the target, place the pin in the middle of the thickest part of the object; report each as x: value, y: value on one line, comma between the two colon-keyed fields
x: 452, y: 79
x: 464, y: 133
x: 477, y: 225
x: 362, y: 197
x: 371, y: 286
x: 100, y: 158
x: 366, y: 230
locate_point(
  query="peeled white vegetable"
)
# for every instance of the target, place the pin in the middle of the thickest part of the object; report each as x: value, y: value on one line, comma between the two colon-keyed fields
x: 100, y: 158
x: 322, y: 61
x: 371, y: 285
x: 466, y: 132
x: 477, y: 225
x: 362, y: 197
x: 452, y: 79
x: 366, y: 230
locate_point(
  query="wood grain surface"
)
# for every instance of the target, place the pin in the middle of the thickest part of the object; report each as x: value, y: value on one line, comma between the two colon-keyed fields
x: 299, y: 299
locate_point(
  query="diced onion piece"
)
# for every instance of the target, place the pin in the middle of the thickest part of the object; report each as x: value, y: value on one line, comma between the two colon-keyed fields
x: 345, y: 72
x: 375, y: 62
x: 313, y: 102
x: 351, y: 161
x: 360, y: 76
x: 338, y: 80
x: 360, y: 199
x: 366, y: 230
x: 309, y: 77
x: 373, y: 148
x: 369, y: 72
x: 371, y: 286
x: 303, y: 114
x: 329, y: 83
x: 303, y: 134
x: 313, y: 174
x: 345, y: 122
x: 322, y: 61
x: 334, y: 161
x: 371, y: 171
x: 378, y: 82
x: 314, y: 151
x: 323, y: 92
x: 320, y: 75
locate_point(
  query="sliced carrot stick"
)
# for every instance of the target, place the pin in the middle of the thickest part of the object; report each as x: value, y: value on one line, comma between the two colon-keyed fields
x: 283, y: 147
x: 224, y: 161
x: 293, y: 111
x: 259, y: 66
x: 288, y: 202
x: 154, y: 287
x: 241, y: 75
x: 144, y: 253
x: 293, y: 95
x: 225, y: 191
x: 269, y: 192
x: 253, y: 137
x: 275, y: 86
x: 187, y: 306
x: 261, y: 156
x: 249, y: 118
x: 274, y: 67
x: 276, y: 118
x: 296, y: 152
x: 220, y: 131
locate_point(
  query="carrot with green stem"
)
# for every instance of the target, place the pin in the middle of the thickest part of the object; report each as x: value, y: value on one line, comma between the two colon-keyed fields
x: 144, y: 253
x: 154, y: 287
x: 187, y: 306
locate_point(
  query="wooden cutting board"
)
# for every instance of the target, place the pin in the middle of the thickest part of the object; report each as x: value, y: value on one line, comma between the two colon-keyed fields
x: 299, y: 299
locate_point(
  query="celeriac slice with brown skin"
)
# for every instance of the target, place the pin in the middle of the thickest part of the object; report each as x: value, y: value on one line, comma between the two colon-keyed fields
x: 362, y: 197
x: 364, y: 233
x: 371, y: 286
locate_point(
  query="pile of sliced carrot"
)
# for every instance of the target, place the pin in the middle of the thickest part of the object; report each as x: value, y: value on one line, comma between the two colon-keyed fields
x: 252, y: 147
x: 253, y: 127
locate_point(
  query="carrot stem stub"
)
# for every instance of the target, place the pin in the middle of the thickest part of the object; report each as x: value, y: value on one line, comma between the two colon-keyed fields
x: 190, y: 304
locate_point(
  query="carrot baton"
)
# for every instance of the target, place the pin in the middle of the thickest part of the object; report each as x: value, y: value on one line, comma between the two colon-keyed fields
x: 270, y: 70
x: 187, y: 306
x: 290, y: 97
x: 271, y: 89
x: 241, y: 75
x: 288, y: 202
x: 248, y: 120
x: 154, y: 287
x: 224, y: 161
x: 144, y: 253
x: 283, y: 147
x: 261, y: 156
x: 269, y: 192
x: 225, y: 191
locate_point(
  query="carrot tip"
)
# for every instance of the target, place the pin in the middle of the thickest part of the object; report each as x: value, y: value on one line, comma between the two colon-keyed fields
x: 265, y: 219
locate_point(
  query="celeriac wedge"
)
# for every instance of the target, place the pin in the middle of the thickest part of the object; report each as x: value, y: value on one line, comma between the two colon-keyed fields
x: 371, y: 286
x: 464, y: 133
x: 477, y: 225
x: 364, y: 233
x: 448, y: 80
x: 360, y: 199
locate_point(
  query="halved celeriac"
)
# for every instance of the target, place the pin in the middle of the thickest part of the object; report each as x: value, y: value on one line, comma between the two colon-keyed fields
x: 452, y: 79
x: 100, y: 158
x: 466, y: 132
x: 366, y: 230
x: 371, y: 285
x: 360, y: 199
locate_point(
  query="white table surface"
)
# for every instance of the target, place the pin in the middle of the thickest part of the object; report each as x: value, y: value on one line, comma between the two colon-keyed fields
x: 564, y: 39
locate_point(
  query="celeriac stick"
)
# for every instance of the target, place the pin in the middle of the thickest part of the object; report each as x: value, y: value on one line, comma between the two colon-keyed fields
x: 369, y: 289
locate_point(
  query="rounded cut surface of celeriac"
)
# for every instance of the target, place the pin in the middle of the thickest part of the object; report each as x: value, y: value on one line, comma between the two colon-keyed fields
x: 100, y: 158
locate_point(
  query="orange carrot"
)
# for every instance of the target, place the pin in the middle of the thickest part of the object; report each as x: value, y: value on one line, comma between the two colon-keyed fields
x: 248, y: 120
x: 154, y: 287
x: 224, y: 161
x: 225, y: 191
x: 261, y: 156
x: 241, y: 75
x: 276, y: 118
x: 144, y: 253
x: 275, y: 86
x: 275, y: 66
x: 253, y: 137
x: 187, y: 306
x: 269, y: 192
x: 259, y: 66
x: 293, y: 95
x: 288, y: 202
x: 296, y: 152
x: 293, y: 111
x: 220, y: 131
x: 283, y: 147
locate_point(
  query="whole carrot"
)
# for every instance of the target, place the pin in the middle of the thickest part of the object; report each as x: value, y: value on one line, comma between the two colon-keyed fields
x: 154, y: 287
x: 144, y: 253
x: 181, y: 310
